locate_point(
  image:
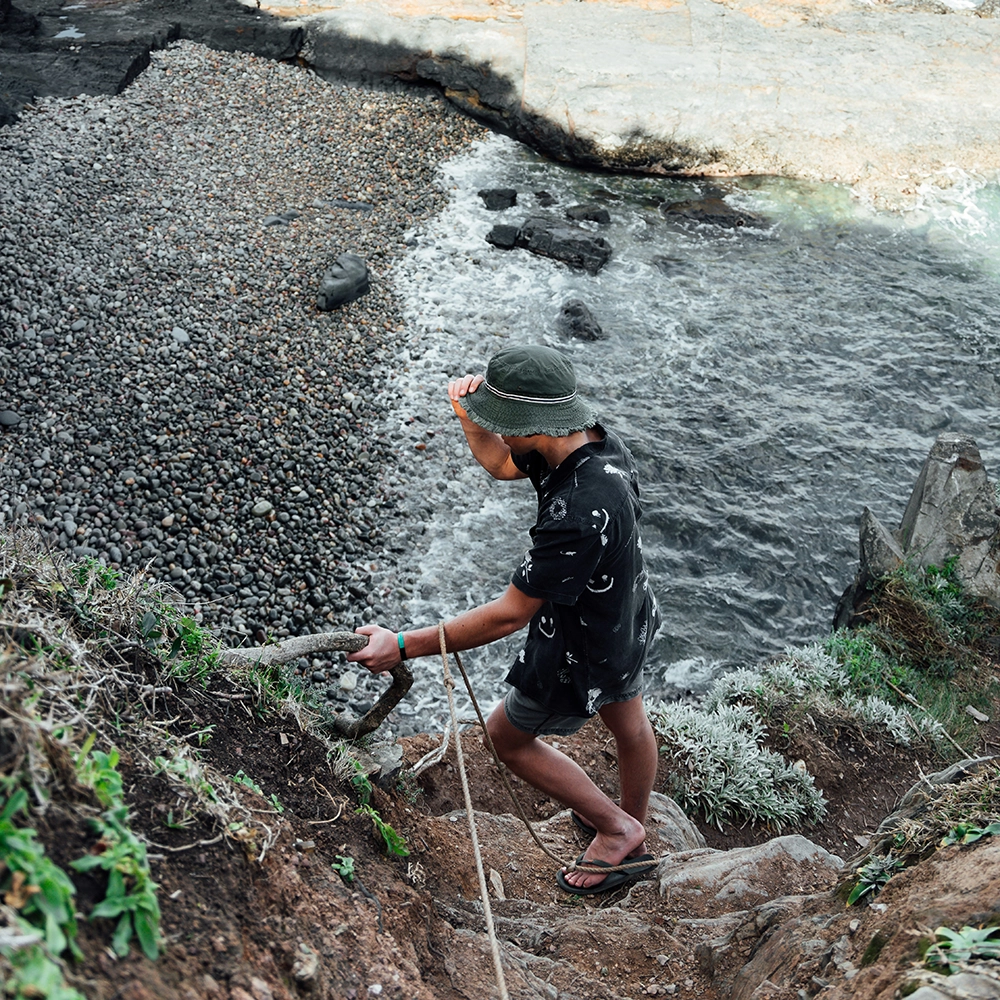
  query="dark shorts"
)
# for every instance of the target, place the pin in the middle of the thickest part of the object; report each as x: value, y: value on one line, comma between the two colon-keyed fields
x: 529, y: 716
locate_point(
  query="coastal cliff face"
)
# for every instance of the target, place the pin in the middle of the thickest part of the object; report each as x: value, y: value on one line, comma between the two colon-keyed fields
x: 884, y: 97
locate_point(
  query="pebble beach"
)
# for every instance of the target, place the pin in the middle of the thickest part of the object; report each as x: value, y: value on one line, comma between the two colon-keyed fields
x: 171, y: 396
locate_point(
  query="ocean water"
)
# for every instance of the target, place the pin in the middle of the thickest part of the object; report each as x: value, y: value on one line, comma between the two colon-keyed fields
x: 771, y: 381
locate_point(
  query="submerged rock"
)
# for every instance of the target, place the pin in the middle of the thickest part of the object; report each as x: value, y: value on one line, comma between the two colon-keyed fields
x: 561, y: 241
x: 576, y: 320
x: 589, y: 213
x: 497, y: 199
x: 713, y: 211
x: 552, y: 238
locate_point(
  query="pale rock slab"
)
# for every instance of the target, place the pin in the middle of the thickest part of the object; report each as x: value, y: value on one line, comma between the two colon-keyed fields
x: 884, y: 97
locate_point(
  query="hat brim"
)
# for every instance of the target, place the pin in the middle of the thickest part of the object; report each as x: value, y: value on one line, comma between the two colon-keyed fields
x: 520, y: 419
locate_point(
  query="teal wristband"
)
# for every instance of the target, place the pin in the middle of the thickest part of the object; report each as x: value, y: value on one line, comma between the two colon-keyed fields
x: 402, y: 646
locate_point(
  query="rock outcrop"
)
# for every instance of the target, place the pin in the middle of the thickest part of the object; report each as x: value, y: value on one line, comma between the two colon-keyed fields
x: 832, y: 91
x: 576, y: 320
x: 953, y: 514
x: 552, y: 238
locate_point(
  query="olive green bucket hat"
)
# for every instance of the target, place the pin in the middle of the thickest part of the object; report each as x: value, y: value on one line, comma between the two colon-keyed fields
x: 529, y: 390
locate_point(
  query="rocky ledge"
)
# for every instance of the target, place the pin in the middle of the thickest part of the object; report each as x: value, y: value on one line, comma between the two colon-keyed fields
x: 885, y: 97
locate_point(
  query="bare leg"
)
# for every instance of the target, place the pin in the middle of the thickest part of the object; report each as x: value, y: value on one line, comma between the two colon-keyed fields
x: 552, y: 772
x: 637, y: 757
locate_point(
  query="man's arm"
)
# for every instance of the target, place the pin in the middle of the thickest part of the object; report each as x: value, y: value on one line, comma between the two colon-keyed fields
x: 487, y: 448
x: 513, y: 610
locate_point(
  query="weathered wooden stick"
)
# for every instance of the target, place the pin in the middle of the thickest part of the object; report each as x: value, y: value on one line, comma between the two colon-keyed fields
x: 327, y: 642
x: 292, y: 649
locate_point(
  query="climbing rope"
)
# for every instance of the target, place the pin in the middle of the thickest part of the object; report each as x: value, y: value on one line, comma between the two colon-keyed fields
x: 502, y: 768
x: 491, y: 930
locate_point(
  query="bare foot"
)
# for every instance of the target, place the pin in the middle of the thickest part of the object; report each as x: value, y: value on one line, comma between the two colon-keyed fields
x: 612, y: 847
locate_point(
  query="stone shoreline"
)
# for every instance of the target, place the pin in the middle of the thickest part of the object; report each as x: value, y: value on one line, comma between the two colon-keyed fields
x: 177, y: 399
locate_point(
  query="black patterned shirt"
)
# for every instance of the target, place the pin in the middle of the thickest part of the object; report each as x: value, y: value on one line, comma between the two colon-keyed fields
x: 586, y: 645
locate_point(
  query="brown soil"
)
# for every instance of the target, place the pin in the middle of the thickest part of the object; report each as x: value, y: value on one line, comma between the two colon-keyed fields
x: 243, y: 917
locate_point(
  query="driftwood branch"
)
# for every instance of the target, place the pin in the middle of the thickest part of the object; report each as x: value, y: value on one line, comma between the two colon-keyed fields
x: 292, y: 649
x: 327, y: 642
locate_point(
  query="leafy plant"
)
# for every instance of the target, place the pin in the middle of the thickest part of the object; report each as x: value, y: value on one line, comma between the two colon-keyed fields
x: 966, y: 833
x: 394, y: 842
x: 952, y: 948
x: 344, y: 867
x: 33, y: 884
x: 723, y: 771
x: 361, y: 784
x: 131, y: 892
x: 873, y: 876
x: 35, y: 974
x: 191, y: 773
x: 241, y: 778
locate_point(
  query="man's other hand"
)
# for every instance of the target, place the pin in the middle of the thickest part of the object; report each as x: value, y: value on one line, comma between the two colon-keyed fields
x: 382, y: 652
x: 459, y: 387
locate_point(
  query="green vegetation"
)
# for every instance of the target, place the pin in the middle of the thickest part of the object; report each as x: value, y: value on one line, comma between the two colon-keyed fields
x: 131, y: 891
x: 39, y: 890
x: 873, y: 876
x: 967, y: 833
x: 344, y: 867
x: 909, y: 671
x: 725, y: 772
x: 951, y: 949
x: 394, y: 842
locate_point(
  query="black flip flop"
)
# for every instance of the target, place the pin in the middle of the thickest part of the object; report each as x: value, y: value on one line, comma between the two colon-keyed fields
x: 611, y: 881
x: 586, y: 828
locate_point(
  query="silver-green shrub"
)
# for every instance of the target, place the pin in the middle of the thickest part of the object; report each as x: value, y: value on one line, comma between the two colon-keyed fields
x: 726, y: 774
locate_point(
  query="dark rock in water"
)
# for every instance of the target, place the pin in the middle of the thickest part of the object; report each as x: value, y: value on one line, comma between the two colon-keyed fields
x: 4, y: 11
x: 544, y: 199
x: 344, y: 282
x: 576, y: 320
x: 8, y: 418
x: 711, y: 211
x: 503, y: 237
x: 496, y: 199
x: 573, y: 246
x: 669, y: 265
x: 589, y: 213
x: 952, y: 514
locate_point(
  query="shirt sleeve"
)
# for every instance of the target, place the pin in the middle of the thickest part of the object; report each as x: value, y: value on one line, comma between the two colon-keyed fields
x: 561, y: 563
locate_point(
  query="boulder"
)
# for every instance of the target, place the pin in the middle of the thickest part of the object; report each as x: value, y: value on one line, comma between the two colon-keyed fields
x: 503, y: 237
x: 667, y: 823
x: 576, y: 320
x: 565, y: 242
x: 742, y: 877
x: 713, y: 211
x: 346, y: 280
x: 588, y: 213
x: 953, y: 513
x: 545, y: 198
x: 497, y: 199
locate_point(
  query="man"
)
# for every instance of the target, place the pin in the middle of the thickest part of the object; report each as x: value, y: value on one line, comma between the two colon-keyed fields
x: 582, y: 589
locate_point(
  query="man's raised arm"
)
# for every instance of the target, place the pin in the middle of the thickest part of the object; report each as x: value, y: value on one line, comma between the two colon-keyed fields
x: 476, y: 627
x: 487, y: 448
